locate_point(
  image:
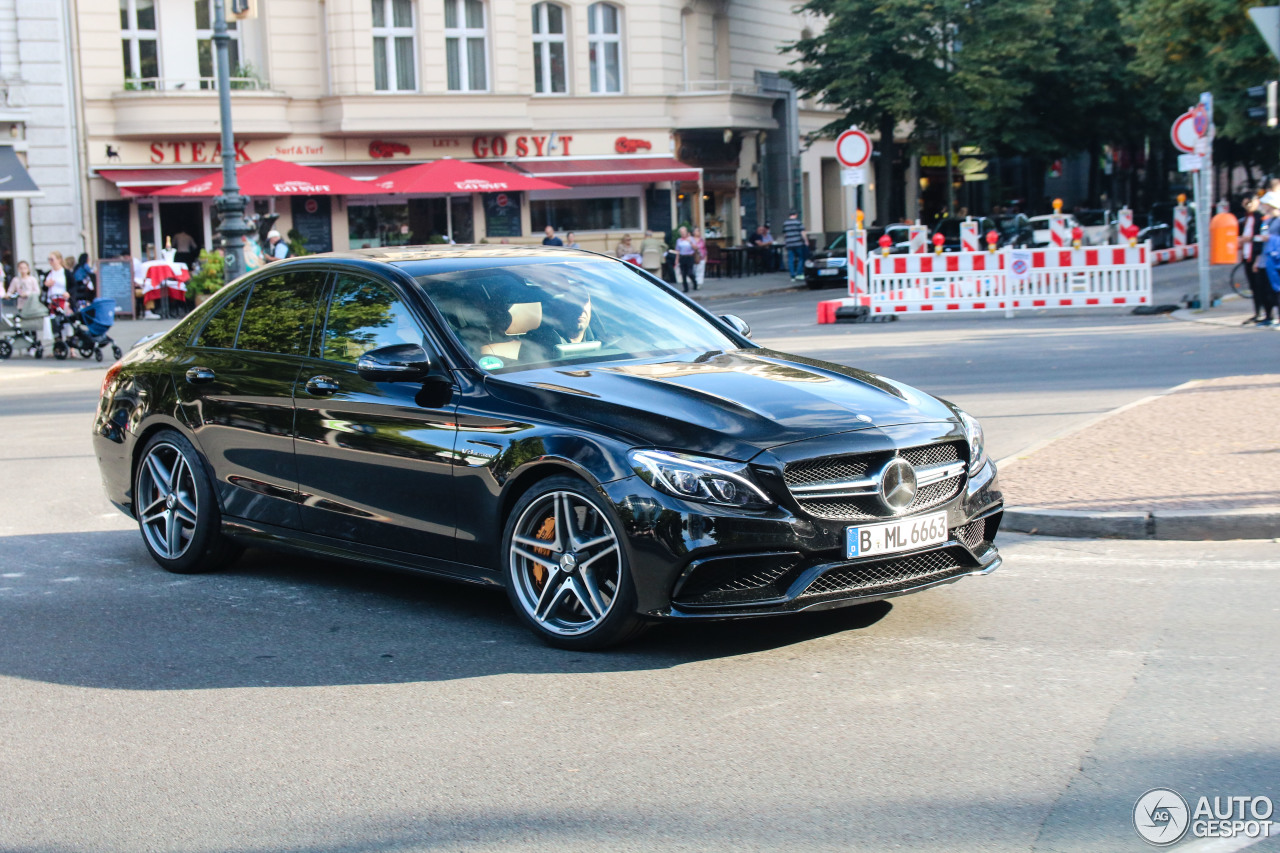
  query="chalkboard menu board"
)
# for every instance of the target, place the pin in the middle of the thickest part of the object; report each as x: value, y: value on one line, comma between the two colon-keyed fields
x: 657, y: 210
x: 501, y: 215
x: 113, y: 229
x: 115, y: 281
x: 312, y: 220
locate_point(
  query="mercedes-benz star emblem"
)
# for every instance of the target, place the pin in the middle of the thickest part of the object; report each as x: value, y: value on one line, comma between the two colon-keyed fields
x: 897, y: 484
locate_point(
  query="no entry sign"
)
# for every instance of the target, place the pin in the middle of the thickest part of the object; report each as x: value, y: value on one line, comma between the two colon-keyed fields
x: 853, y: 148
x: 1184, y: 132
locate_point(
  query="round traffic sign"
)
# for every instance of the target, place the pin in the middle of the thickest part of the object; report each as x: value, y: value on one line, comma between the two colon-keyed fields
x: 853, y: 148
x: 1200, y: 120
x: 1183, y: 133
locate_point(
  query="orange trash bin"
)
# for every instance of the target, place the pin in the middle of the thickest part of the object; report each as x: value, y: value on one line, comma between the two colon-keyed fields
x: 1224, y: 239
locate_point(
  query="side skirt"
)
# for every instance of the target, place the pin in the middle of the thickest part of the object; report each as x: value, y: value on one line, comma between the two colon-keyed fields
x: 255, y: 534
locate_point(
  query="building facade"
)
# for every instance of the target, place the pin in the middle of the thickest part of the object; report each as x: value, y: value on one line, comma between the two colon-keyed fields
x: 40, y: 134
x: 651, y: 114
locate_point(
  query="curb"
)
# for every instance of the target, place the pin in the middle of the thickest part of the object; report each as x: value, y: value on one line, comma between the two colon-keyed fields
x: 1184, y: 525
x: 717, y: 296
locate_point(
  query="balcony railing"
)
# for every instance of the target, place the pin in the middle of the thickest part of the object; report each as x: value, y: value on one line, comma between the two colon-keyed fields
x: 193, y: 84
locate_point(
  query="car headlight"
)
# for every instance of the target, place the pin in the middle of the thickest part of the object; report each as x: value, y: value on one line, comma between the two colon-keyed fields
x: 838, y: 262
x: 808, y: 265
x: 977, y: 441
x: 699, y: 478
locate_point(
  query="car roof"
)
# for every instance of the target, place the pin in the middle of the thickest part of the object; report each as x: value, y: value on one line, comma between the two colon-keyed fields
x: 446, y: 251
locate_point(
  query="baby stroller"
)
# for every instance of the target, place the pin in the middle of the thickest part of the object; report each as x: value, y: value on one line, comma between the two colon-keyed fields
x: 23, y: 327
x: 86, y: 330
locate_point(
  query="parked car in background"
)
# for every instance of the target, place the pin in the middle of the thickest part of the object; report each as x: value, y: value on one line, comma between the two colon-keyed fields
x: 1099, y: 226
x: 950, y: 229
x: 1161, y: 213
x: 1015, y: 230
x: 1040, y: 235
x: 829, y: 266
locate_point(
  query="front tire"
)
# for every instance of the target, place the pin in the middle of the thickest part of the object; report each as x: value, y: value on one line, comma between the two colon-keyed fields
x: 177, y: 509
x: 566, y: 567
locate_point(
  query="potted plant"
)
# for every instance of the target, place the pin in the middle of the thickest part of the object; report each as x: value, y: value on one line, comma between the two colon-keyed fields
x: 206, y: 277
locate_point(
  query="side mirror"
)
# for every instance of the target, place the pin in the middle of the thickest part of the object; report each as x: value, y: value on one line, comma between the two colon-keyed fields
x: 738, y: 324
x: 396, y: 363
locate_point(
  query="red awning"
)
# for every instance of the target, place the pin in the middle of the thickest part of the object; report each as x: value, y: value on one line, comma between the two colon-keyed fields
x: 274, y: 178
x: 139, y: 182
x: 460, y: 176
x: 609, y: 170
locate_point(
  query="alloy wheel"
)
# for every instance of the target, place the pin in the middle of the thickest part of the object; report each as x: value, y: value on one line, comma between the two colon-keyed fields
x: 167, y: 493
x: 566, y: 563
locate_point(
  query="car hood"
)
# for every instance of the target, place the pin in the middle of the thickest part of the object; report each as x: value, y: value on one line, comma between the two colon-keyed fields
x: 730, y: 404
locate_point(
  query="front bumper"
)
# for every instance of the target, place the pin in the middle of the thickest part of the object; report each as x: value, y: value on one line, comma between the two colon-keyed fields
x: 694, y: 561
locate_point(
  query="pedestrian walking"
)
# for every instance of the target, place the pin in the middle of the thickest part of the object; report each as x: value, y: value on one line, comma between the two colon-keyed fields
x: 797, y: 246
x: 1270, y: 205
x: 1253, y: 239
x: 55, y: 283
x: 651, y: 251
x: 24, y: 286
x: 686, y: 255
x: 84, y: 282
x: 551, y: 239
x: 700, y: 265
x: 277, y: 248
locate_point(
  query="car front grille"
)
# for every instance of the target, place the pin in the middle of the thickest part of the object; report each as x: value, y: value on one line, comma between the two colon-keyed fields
x: 890, y: 575
x: 858, y: 470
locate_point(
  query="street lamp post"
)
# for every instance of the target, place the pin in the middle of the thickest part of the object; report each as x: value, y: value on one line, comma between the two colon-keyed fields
x: 230, y: 204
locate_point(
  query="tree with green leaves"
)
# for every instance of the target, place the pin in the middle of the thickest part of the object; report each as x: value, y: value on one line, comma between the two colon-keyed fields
x: 1185, y: 47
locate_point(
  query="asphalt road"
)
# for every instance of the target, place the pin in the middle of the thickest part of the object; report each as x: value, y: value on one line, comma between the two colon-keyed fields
x: 291, y: 704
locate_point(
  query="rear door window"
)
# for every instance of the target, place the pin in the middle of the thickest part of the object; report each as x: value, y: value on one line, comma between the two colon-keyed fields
x: 220, y: 331
x: 281, y: 313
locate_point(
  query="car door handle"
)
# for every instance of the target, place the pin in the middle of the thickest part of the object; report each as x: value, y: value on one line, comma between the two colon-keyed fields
x: 200, y: 375
x: 322, y: 386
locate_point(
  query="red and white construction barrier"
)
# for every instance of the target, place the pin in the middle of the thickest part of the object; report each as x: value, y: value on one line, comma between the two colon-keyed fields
x: 1059, y: 232
x: 1099, y: 276
x: 917, y: 238
x: 1180, y: 220
x: 1177, y: 253
x: 969, y: 236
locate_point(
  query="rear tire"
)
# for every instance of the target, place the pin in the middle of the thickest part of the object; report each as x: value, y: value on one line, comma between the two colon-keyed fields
x: 566, y: 567
x: 6, y: 349
x: 116, y: 352
x: 60, y: 351
x: 1240, y: 281
x: 177, y: 509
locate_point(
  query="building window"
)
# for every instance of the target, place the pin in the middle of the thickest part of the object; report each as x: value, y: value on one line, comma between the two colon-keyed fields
x: 207, y: 52
x: 466, y: 45
x: 549, y: 73
x: 394, y: 46
x: 139, y: 38
x: 604, y: 38
x: 585, y: 214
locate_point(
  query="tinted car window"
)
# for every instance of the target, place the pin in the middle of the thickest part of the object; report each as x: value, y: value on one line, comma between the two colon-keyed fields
x: 280, y: 314
x: 527, y: 315
x: 365, y: 315
x: 220, y: 331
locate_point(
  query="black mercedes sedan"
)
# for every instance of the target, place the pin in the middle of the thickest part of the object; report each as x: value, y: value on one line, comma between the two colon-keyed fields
x: 551, y: 421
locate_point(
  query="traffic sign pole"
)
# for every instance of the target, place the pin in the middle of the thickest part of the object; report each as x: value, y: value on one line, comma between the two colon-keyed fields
x: 1204, y: 201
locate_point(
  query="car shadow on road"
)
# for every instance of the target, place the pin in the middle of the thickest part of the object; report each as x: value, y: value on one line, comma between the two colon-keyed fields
x: 93, y: 610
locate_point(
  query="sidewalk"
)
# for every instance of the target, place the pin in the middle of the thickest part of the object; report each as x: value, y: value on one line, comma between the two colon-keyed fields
x: 124, y: 332
x: 752, y: 285
x: 1201, y: 461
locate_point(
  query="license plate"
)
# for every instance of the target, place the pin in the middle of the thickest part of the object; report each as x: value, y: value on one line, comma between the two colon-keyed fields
x: 893, y: 536
x: 830, y: 272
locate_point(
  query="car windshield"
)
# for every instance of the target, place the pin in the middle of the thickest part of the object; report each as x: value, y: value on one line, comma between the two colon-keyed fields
x: 837, y: 244
x: 519, y: 316
x: 1092, y: 217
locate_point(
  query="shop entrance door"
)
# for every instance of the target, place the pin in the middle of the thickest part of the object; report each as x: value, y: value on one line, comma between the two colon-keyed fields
x: 182, y: 225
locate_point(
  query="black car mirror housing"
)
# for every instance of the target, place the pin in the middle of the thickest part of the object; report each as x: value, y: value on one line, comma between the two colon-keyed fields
x: 396, y: 363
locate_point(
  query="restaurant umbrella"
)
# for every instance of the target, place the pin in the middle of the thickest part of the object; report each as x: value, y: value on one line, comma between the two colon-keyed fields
x: 460, y: 176
x: 275, y: 178
x: 452, y: 177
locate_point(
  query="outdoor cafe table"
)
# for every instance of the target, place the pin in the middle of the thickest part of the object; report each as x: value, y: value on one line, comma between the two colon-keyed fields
x: 164, y: 280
